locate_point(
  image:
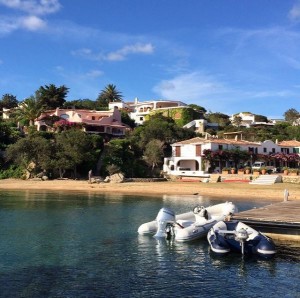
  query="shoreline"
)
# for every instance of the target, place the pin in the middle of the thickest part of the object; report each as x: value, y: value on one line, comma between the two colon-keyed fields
x: 228, y: 191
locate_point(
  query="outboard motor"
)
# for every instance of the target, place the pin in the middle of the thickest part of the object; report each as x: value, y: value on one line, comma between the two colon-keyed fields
x: 242, y: 235
x: 164, y: 218
x: 170, y: 231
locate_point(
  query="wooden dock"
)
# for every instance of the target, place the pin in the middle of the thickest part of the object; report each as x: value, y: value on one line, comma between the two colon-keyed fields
x: 279, y: 221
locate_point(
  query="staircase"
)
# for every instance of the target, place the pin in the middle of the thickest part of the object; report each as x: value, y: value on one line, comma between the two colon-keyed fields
x: 267, y: 179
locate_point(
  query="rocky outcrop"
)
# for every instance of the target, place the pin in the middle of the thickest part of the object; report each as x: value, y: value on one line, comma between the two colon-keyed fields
x: 115, y: 178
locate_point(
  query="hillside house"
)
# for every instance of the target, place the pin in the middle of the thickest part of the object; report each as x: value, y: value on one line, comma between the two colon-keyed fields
x: 99, y: 122
x: 247, y: 119
x: 188, y: 160
x: 143, y: 109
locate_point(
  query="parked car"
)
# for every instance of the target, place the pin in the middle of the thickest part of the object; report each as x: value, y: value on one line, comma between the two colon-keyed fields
x: 261, y: 164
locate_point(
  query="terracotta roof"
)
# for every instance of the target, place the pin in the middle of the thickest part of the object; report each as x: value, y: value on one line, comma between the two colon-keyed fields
x: 291, y: 143
x: 217, y: 141
x: 191, y: 141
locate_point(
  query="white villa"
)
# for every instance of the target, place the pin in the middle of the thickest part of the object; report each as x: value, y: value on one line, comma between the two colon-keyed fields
x: 139, y: 110
x: 248, y: 120
x: 187, y: 156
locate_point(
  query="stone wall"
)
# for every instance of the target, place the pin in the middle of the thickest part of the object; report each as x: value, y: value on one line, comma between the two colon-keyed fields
x: 291, y: 179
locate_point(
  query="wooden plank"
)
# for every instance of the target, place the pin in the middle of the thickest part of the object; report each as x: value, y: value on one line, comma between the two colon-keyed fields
x: 288, y: 211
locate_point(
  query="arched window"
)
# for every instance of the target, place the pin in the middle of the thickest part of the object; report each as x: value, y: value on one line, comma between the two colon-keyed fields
x: 64, y: 116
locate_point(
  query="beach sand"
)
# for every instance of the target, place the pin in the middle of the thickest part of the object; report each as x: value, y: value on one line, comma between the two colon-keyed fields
x: 236, y: 190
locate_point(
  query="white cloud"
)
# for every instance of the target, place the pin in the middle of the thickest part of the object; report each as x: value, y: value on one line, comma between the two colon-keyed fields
x: 91, y: 74
x: 190, y: 86
x: 294, y: 13
x: 30, y: 18
x: 272, y: 93
x: 94, y: 73
x: 35, y: 7
x: 137, y: 48
x: 32, y: 23
x: 88, y: 54
x: 118, y: 55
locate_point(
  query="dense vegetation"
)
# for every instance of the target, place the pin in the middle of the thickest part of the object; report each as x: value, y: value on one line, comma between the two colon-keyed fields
x: 72, y: 153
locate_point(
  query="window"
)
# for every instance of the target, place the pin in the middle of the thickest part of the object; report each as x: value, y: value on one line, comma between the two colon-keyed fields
x: 177, y: 151
x: 64, y: 116
x: 93, y: 117
x: 265, y: 150
x: 198, y: 150
x: 220, y: 147
x: 141, y: 118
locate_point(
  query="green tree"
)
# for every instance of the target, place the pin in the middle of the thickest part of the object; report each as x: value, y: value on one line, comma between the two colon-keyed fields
x: 121, y: 154
x: 198, y: 108
x: 81, y: 104
x: 293, y: 132
x: 52, y: 97
x: 8, y: 101
x: 260, y: 118
x: 221, y: 119
x: 154, y: 153
x: 160, y: 128
x: 29, y: 110
x: 291, y: 115
x: 237, y: 120
x: 73, y: 148
x: 9, y: 134
x: 31, y: 153
x: 109, y: 94
x: 238, y: 156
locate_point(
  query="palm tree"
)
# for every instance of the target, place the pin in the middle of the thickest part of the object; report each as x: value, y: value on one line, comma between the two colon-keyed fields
x: 109, y: 94
x: 29, y: 110
x: 52, y: 97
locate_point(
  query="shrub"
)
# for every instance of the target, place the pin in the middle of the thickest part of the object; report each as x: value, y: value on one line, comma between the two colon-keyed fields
x: 12, y: 172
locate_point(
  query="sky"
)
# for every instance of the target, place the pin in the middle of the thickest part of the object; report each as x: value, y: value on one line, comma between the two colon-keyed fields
x: 228, y: 56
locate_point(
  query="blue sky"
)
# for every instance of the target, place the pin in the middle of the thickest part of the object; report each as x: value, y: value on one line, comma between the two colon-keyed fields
x: 228, y: 56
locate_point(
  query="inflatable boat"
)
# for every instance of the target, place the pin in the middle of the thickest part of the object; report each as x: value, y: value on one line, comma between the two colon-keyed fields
x: 226, y: 236
x: 187, y: 226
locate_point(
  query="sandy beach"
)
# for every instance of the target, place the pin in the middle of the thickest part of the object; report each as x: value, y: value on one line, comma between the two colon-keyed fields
x: 227, y: 191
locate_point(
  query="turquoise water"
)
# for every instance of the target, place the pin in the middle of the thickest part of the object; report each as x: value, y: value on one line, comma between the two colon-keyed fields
x: 79, y: 245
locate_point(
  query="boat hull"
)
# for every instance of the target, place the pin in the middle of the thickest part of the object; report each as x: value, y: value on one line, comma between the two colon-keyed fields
x: 223, y: 238
x: 191, y: 225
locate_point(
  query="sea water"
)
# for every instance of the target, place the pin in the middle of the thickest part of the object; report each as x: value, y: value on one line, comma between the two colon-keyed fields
x: 55, y: 244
